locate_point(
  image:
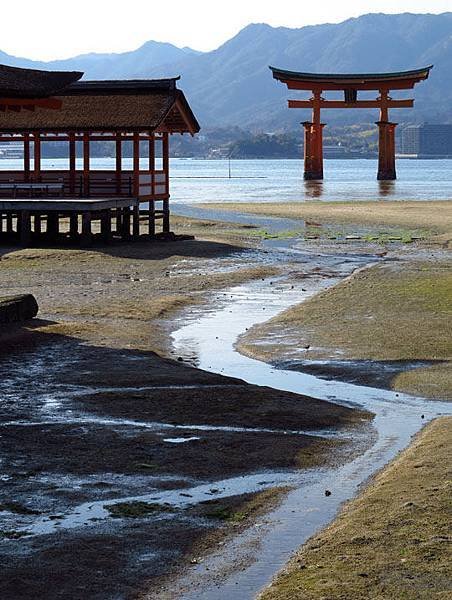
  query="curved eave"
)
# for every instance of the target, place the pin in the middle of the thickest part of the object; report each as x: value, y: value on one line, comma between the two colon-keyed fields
x: 347, y: 78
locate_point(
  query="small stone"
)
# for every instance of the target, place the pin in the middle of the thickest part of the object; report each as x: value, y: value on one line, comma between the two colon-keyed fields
x: 327, y: 493
x: 422, y: 417
x: 180, y: 359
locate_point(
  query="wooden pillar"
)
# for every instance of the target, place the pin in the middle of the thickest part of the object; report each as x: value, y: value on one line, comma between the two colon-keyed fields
x: 307, y: 149
x: 72, y: 164
x: 26, y: 156
x: 105, y: 225
x: 125, y: 225
x: 9, y: 222
x: 136, y: 221
x: 53, y: 222
x: 118, y: 163
x: 166, y: 209
x: 73, y: 226
x: 136, y: 164
x: 37, y: 156
x: 86, y: 238
x: 165, y: 153
x: 386, y: 151
x: 25, y: 227
x: 314, y: 140
x: 37, y: 223
x: 86, y: 165
x: 166, y: 216
x: 151, y: 221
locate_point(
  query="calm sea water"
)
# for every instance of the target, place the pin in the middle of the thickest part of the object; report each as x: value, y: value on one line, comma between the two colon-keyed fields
x: 282, y: 180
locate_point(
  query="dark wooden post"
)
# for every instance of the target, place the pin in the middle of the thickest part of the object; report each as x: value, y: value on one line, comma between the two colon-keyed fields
x: 25, y: 227
x: 166, y: 210
x: 53, y: 223
x: 136, y: 185
x: 37, y: 155
x: 86, y: 237
x: 37, y: 223
x: 86, y: 165
x: 125, y: 225
x: 151, y: 222
x: 72, y: 164
x: 307, y: 149
x: 118, y: 163
x: 73, y: 226
x: 26, y: 156
x: 105, y: 225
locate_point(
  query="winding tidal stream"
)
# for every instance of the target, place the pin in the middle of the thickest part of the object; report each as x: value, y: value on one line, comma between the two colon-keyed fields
x: 246, y: 564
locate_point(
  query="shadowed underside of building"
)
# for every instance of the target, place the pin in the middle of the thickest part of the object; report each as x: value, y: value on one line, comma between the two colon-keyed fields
x: 40, y: 106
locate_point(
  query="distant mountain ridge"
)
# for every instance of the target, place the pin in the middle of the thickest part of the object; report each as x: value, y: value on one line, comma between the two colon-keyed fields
x: 232, y: 85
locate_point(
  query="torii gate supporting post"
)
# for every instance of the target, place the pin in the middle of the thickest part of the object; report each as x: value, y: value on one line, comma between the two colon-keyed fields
x: 386, y: 151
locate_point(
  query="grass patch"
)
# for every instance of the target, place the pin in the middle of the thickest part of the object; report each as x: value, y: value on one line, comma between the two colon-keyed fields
x: 135, y: 510
x: 434, y: 218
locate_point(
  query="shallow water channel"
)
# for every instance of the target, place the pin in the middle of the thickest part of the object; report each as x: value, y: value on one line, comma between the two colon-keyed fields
x: 248, y: 562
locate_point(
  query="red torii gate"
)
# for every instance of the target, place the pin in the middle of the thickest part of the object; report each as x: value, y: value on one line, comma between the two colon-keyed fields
x: 350, y: 84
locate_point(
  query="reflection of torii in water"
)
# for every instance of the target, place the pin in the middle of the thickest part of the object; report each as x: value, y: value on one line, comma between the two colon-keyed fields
x: 350, y: 85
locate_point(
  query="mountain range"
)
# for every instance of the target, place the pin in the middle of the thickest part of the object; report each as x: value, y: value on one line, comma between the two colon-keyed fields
x: 232, y: 86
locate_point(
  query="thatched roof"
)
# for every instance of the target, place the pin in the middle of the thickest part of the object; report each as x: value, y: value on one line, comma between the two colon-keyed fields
x: 129, y: 105
x: 31, y: 83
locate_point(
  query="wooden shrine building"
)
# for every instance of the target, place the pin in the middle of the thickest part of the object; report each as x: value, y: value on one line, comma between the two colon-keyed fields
x: 350, y: 85
x: 38, y: 202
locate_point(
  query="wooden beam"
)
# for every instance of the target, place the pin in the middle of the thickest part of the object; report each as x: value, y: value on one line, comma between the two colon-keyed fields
x: 396, y: 84
x: 358, y: 104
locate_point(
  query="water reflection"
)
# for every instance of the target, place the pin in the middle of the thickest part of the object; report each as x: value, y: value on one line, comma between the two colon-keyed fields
x: 386, y: 188
x: 313, y: 189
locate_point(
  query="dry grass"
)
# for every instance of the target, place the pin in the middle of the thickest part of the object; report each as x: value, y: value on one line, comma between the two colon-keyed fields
x: 392, y: 543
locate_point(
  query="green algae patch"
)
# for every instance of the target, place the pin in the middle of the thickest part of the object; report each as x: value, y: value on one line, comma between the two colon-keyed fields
x: 135, y: 510
x: 392, y: 542
x: 397, y: 311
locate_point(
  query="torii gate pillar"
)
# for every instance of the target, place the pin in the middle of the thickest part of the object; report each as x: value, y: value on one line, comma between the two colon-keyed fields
x: 313, y: 150
x: 386, y: 151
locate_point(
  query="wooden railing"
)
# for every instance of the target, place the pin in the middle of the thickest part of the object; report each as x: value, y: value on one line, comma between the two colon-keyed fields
x: 98, y: 184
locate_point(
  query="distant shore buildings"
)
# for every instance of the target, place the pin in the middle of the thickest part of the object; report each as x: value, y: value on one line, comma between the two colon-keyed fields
x: 427, y: 141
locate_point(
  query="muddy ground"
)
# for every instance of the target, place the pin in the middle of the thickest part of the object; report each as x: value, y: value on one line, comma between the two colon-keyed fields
x: 91, y: 414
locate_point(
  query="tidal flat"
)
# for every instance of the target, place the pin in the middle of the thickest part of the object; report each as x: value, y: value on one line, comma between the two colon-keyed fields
x: 125, y: 465
x: 98, y: 412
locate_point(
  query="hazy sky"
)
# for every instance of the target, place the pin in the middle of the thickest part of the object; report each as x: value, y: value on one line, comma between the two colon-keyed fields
x: 46, y: 29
